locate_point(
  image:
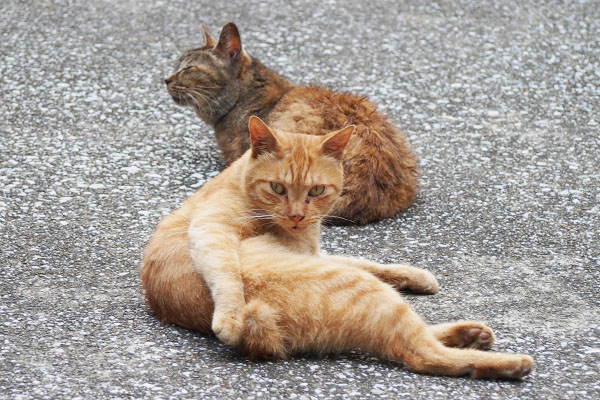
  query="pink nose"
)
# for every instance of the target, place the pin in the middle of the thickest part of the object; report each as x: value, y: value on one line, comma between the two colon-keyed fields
x: 296, y: 218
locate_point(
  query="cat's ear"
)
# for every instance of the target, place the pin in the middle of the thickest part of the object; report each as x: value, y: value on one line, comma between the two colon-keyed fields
x: 209, y: 40
x: 263, y: 139
x: 334, y: 142
x: 229, y: 47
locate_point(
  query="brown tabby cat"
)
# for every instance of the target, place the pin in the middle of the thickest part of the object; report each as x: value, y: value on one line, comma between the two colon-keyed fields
x: 242, y: 256
x: 226, y: 86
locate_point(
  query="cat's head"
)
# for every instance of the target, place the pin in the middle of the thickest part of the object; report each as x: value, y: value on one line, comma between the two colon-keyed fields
x: 206, y: 78
x: 294, y: 179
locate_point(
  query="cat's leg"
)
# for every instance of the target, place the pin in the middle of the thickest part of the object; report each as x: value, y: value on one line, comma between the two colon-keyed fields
x: 463, y: 334
x: 422, y: 352
x: 398, y: 333
x: 402, y: 277
x: 214, y: 251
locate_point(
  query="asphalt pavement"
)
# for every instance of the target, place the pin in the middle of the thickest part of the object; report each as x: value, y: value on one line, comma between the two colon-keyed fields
x: 500, y: 99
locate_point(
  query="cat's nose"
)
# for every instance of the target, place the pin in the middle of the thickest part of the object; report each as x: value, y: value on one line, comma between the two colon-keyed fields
x: 168, y: 80
x: 296, y: 218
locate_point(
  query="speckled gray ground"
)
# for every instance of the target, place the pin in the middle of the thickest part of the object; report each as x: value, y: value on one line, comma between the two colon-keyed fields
x: 501, y: 100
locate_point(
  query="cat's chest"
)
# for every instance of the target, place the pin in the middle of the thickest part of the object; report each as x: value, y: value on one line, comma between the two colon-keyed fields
x: 306, y: 242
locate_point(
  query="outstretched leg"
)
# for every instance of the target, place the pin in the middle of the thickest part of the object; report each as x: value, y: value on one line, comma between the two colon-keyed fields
x: 323, y: 305
x: 400, y: 276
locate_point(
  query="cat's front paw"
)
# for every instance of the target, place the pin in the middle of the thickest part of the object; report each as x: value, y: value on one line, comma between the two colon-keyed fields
x: 228, y: 328
x: 423, y: 282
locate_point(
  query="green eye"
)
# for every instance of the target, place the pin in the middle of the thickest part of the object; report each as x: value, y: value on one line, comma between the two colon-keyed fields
x: 316, y: 190
x: 277, y: 188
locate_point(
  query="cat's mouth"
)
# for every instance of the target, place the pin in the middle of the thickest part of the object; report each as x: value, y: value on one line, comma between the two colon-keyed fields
x: 297, y: 228
x: 178, y: 95
x: 179, y: 99
x: 292, y: 226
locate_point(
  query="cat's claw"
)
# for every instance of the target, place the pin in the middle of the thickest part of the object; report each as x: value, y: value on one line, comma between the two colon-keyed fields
x: 227, y: 328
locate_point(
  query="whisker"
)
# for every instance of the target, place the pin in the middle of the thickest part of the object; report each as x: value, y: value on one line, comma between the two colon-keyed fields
x: 261, y: 211
x: 266, y: 220
x: 207, y: 87
x: 327, y: 217
x: 193, y: 99
x: 204, y: 92
x: 255, y: 217
x: 203, y: 95
x: 205, y: 98
x: 257, y: 214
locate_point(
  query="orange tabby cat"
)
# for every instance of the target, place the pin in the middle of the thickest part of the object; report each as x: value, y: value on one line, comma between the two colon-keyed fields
x: 225, y: 86
x: 241, y: 257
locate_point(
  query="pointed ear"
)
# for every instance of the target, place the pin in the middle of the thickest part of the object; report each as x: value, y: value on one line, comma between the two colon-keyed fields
x: 209, y: 40
x: 263, y: 139
x: 334, y: 142
x: 229, y: 47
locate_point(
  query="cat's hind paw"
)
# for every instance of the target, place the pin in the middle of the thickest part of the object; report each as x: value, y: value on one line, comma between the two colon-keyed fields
x: 464, y: 334
x: 509, y: 366
x: 520, y: 370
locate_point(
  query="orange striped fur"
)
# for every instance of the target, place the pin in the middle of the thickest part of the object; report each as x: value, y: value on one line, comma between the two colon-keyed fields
x: 242, y: 261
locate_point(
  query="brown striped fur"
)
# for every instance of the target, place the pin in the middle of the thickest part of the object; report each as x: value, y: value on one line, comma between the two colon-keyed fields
x: 225, y: 86
x: 257, y: 279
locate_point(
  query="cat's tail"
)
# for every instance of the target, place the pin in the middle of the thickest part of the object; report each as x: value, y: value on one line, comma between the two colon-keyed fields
x: 262, y: 338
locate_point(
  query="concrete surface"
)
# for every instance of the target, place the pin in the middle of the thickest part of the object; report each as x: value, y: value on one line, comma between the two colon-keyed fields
x: 501, y: 101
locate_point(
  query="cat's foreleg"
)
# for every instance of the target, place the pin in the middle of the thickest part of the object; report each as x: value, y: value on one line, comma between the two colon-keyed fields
x: 215, y: 252
x: 402, y: 277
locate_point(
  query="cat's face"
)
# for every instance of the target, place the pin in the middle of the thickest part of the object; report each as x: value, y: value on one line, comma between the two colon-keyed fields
x: 206, y: 78
x: 294, y: 179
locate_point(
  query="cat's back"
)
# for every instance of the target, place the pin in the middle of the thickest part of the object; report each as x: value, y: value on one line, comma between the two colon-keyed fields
x: 317, y: 110
x: 380, y: 168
